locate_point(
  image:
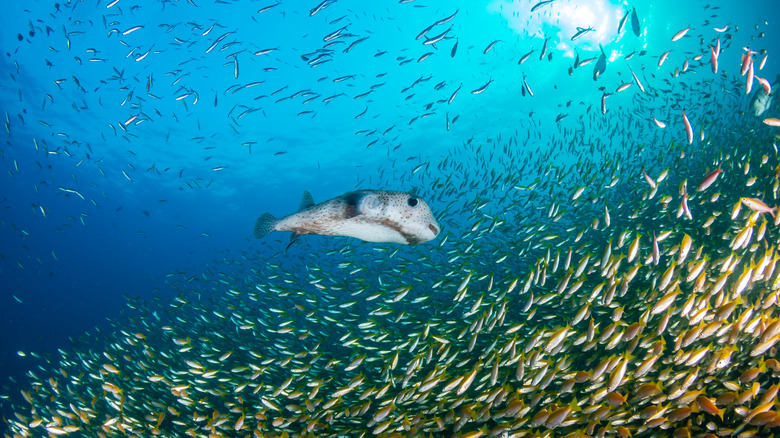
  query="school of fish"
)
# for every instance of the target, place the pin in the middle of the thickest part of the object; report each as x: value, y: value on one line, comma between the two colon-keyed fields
x: 578, y: 287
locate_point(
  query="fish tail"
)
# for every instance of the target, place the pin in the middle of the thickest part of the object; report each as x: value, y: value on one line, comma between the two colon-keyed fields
x: 264, y: 225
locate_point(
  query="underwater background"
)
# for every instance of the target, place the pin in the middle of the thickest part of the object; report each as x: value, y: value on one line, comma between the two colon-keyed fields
x: 142, y: 139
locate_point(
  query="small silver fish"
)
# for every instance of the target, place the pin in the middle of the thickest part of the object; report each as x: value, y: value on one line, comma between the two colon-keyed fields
x: 370, y: 215
x: 622, y: 24
x: 582, y: 31
x: 541, y: 4
x: 635, y: 23
x: 762, y: 101
x: 601, y: 64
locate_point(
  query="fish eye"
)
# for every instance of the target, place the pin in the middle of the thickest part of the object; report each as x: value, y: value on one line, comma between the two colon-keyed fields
x: 412, y: 202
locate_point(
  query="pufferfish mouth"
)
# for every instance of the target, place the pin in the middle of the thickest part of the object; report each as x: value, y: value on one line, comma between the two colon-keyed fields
x: 434, y: 228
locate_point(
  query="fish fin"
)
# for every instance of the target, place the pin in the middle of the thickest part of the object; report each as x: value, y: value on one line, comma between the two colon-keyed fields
x: 293, y: 238
x: 264, y: 225
x: 352, y: 200
x: 307, y: 200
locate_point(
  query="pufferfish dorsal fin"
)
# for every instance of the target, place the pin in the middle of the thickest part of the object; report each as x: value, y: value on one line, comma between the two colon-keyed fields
x: 307, y: 201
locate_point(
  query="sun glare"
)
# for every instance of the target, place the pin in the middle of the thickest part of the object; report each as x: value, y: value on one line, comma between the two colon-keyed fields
x: 565, y: 22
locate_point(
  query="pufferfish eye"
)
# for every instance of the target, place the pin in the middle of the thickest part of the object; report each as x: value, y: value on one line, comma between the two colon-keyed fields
x: 412, y: 202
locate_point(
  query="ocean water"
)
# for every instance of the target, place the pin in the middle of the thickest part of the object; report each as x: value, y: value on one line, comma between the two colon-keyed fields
x: 142, y: 140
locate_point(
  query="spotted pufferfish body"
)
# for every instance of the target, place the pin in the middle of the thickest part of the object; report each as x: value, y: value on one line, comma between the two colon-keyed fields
x: 370, y: 215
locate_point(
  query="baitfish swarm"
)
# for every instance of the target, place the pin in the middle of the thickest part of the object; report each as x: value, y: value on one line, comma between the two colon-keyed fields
x: 528, y: 324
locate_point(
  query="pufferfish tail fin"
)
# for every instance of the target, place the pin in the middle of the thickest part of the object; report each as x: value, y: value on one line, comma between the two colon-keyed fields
x: 264, y: 225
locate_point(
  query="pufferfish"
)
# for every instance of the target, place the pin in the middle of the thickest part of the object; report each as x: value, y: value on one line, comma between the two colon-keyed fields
x: 370, y: 215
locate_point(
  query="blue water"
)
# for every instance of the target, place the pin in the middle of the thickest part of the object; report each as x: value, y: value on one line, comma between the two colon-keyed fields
x: 179, y: 187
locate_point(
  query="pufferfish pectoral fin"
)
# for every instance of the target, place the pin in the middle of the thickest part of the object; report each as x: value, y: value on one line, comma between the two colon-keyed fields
x: 293, y: 238
x: 352, y: 203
